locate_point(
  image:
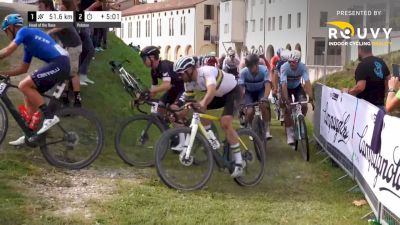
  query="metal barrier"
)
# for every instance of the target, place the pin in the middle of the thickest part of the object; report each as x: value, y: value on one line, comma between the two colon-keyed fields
x: 383, y: 215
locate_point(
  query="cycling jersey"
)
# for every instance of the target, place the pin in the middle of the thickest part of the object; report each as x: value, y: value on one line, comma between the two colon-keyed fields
x: 165, y: 72
x: 254, y: 83
x: 38, y: 44
x: 279, y: 65
x: 230, y: 64
x: 293, y: 77
x: 274, y: 62
x: 208, y: 75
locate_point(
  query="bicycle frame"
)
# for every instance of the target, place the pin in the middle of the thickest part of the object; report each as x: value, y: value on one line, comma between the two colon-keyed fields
x: 296, y: 113
x: 195, y: 126
x: 4, y: 86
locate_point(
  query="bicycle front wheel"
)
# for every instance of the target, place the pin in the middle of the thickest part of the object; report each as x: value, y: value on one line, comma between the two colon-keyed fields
x: 172, y: 166
x: 258, y: 126
x: 76, y: 141
x: 135, y: 140
x: 253, y: 155
x: 302, y: 139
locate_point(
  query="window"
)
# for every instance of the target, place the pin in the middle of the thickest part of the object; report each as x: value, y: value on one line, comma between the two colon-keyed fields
x: 130, y: 30
x: 357, y: 21
x: 253, y: 25
x: 273, y: 23
x: 226, y: 28
x: 138, y: 29
x: 298, y: 20
x: 169, y: 26
x: 261, y: 24
x: 207, y: 33
x: 181, y: 25
x: 269, y: 1
x: 323, y: 19
x: 122, y: 30
x: 289, y: 22
x: 395, y: 16
x: 246, y: 26
x: 184, y: 25
x: 280, y: 22
x: 269, y: 23
x: 208, y: 12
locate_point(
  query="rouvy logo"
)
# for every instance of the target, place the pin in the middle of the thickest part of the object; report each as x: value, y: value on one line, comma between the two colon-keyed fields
x: 346, y: 31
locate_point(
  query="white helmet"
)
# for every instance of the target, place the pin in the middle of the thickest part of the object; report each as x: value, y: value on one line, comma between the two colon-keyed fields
x: 295, y: 56
x: 183, y: 64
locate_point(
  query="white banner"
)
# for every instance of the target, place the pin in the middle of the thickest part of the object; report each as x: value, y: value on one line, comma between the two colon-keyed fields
x: 348, y: 124
x: 337, y: 119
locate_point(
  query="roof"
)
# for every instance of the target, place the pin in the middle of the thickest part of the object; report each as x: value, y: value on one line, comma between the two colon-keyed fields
x: 160, y: 6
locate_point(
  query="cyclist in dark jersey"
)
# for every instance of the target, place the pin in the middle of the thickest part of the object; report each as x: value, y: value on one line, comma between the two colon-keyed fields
x: 57, y: 69
x: 171, y: 85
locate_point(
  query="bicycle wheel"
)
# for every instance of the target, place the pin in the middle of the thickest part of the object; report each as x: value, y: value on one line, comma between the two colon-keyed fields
x: 3, y: 123
x: 254, y: 157
x: 258, y: 126
x: 135, y: 139
x: 188, y: 175
x: 76, y: 141
x: 303, y: 139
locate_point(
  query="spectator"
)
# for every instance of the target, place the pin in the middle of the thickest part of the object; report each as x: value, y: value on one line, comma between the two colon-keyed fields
x: 71, y: 41
x: 371, y: 76
x: 231, y: 63
x: 393, y: 97
x: 87, y: 44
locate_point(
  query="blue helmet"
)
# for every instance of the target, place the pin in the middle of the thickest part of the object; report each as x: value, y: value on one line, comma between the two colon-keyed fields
x: 12, y: 19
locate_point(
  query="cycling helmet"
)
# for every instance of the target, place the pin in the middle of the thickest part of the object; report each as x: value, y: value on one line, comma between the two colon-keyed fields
x: 183, y: 64
x: 285, y: 55
x: 149, y: 50
x: 252, y: 60
x: 12, y: 19
x: 295, y: 56
x: 260, y: 51
x: 210, y: 61
x: 231, y: 52
x: 279, y: 51
x: 212, y: 54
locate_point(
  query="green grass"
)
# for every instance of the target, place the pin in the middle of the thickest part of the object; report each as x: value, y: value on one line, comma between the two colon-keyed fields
x: 292, y: 192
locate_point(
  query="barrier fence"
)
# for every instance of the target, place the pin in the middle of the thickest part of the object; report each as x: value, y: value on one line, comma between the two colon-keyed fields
x: 343, y: 127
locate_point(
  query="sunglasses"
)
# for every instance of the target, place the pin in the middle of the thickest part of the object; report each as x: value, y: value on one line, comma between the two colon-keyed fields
x: 293, y: 62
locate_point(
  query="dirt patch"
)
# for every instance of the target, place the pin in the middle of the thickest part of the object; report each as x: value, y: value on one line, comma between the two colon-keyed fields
x: 67, y: 194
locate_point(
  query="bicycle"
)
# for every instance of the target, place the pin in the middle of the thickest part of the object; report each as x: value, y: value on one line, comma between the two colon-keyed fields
x: 277, y: 108
x: 258, y: 124
x: 200, y: 152
x: 136, y: 135
x: 73, y: 143
x: 300, y: 128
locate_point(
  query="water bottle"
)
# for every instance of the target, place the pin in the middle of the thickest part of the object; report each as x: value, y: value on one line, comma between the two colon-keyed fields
x: 36, y: 118
x: 213, y: 140
x: 24, y: 114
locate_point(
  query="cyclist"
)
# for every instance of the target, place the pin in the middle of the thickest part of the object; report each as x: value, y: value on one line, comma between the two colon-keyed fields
x: 274, y: 72
x: 222, y: 91
x: 231, y: 63
x: 263, y: 60
x: 277, y: 90
x: 292, y: 74
x: 256, y: 86
x: 172, y: 85
x: 57, y: 69
x: 211, y: 60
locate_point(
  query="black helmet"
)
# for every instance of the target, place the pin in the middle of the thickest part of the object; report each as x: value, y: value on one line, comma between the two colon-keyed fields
x: 150, y: 50
x: 252, y: 60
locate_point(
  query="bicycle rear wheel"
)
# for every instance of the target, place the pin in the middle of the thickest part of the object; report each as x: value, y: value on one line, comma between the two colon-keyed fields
x: 254, y: 156
x: 75, y: 142
x: 303, y: 142
x: 176, y: 173
x: 3, y: 123
x: 135, y: 139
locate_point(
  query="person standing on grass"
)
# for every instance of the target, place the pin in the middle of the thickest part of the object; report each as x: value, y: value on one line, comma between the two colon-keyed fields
x: 372, y: 75
x: 71, y: 42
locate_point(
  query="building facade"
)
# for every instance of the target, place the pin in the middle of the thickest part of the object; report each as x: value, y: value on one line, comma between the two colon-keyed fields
x: 179, y: 28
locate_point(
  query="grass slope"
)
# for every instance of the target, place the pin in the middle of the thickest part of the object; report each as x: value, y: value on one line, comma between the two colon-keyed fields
x: 292, y: 192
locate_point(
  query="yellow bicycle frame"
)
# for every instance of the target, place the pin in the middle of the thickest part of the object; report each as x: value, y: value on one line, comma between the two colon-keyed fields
x: 215, y: 118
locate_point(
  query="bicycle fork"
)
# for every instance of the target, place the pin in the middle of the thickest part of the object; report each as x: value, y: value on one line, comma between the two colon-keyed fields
x: 194, y: 127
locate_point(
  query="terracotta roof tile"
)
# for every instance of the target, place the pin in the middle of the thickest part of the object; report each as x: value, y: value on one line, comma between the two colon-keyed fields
x: 160, y: 6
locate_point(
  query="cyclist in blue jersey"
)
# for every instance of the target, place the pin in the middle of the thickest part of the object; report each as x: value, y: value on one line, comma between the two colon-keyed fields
x: 57, y: 69
x: 255, y: 85
x: 292, y: 74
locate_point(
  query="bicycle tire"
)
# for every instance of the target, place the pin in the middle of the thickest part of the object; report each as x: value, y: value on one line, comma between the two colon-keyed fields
x: 3, y: 122
x: 160, y: 157
x: 260, y: 156
x: 123, y: 152
x: 73, y: 138
x: 305, y: 148
x: 259, y: 127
